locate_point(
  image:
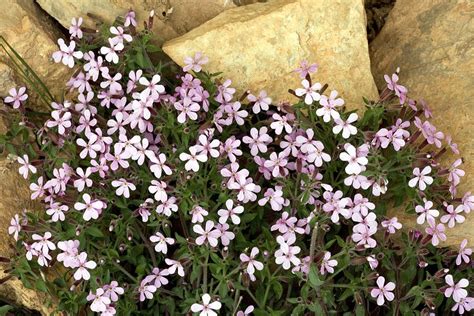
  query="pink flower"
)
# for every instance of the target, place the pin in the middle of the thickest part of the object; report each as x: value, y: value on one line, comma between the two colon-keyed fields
x: 99, y: 300
x: 207, y: 308
x: 384, y: 291
x: 224, y: 234
x: 175, y: 266
x: 464, y: 304
x: 392, y: 225
x: 286, y: 255
x: 70, y: 253
x: 328, y: 109
x: 311, y: 93
x: 192, y: 159
x: 356, y: 162
x: 399, y: 90
x: 83, y: 267
x: 234, y: 112
x: 66, y: 54
x: 305, y: 68
x: 247, y: 311
x: 110, y: 52
x: 198, y: 214
x: 373, y: 262
x: 146, y: 290
x: 15, y: 227
x: 159, y: 276
x: 158, y: 189
x: 167, y: 207
x: 225, y: 93
x: 119, y: 34
x: 345, y: 126
x: 207, y: 146
x: 162, y: 242
x: 436, y: 231
x: 75, y: 28
x: 92, y: 209
x: 421, y: 178
x: 130, y: 19
x: 455, y: 289
x: 26, y: 167
x: 152, y: 87
x: 455, y: 173
x: 83, y: 179
x: 453, y: 216
x: 90, y: 148
x: 426, y: 212
x: 56, y: 211
x: 464, y: 253
x: 277, y: 163
x: 275, y: 197
x: 195, y: 63
x: 258, y: 141
x: 327, y: 265
x: 188, y: 108
x: 362, y: 236
x: 62, y: 122
x: 468, y: 202
x: 252, y: 264
x: 230, y: 212
x: 261, y: 102
x: 208, y: 234
x: 231, y: 148
x: 281, y: 122
x: 16, y: 97
x: 123, y: 187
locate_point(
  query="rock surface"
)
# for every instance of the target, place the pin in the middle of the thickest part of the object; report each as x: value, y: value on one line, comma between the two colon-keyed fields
x: 431, y: 41
x: 172, y: 17
x: 257, y: 46
x: 33, y: 36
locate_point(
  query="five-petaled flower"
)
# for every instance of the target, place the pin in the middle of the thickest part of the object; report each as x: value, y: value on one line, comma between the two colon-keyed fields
x: 384, y: 291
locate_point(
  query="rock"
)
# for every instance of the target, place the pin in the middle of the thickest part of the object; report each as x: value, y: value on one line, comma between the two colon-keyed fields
x: 257, y: 46
x: 431, y: 41
x: 172, y: 17
x: 32, y: 34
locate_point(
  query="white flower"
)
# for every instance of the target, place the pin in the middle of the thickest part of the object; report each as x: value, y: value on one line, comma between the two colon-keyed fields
x: 158, y: 189
x: 123, y: 187
x: 208, y: 234
x: 192, y: 159
x: 162, y: 242
x: 231, y: 212
x: 111, y: 51
x: 345, y: 126
x: 252, y: 264
x: 152, y: 87
x: 83, y: 267
x: 207, y: 308
x: 286, y: 255
x: 311, y: 93
x: 421, y: 178
x: 355, y: 163
x: 26, y: 167
x: 15, y: 227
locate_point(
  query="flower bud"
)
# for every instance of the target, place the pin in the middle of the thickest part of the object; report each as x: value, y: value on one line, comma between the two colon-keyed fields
x: 358, y: 298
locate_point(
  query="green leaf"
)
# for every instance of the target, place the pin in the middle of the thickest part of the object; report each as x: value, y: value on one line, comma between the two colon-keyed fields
x: 313, y: 278
x: 94, y: 232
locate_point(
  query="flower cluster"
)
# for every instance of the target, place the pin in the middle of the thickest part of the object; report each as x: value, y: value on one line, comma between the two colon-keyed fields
x: 176, y: 194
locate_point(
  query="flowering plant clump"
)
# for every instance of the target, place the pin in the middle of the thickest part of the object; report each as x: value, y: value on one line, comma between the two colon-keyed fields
x: 164, y: 192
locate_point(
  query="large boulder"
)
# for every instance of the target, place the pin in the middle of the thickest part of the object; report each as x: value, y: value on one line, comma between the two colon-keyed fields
x: 257, y: 46
x: 172, y: 17
x: 431, y: 41
x: 33, y: 35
